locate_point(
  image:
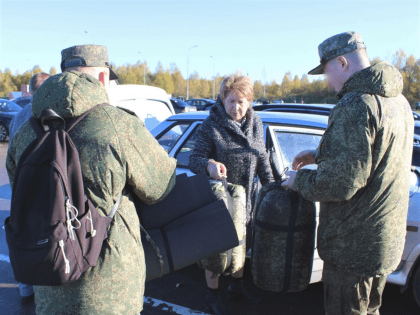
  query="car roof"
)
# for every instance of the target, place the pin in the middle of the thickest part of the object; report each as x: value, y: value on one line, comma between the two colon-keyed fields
x: 125, y: 92
x: 326, y: 107
x: 292, y: 119
x: 201, y: 99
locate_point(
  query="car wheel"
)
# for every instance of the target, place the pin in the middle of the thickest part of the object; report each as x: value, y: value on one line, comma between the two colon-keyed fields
x: 3, y: 132
x: 416, y: 285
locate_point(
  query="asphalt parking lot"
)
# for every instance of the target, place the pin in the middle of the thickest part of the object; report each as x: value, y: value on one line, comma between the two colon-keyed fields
x: 182, y: 292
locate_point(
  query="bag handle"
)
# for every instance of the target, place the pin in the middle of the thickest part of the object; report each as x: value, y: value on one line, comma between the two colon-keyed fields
x: 229, y: 200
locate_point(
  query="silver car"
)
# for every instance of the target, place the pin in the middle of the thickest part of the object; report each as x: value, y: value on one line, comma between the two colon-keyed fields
x: 286, y: 134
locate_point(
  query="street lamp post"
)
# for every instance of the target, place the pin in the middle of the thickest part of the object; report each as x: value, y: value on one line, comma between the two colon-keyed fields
x: 144, y: 71
x: 214, y: 78
x: 188, y: 78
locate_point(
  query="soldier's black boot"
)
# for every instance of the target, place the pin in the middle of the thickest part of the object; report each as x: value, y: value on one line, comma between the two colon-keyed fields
x: 214, y: 303
x: 237, y: 290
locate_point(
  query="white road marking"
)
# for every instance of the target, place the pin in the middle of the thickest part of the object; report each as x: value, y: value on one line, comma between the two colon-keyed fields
x: 4, y: 258
x: 165, y: 306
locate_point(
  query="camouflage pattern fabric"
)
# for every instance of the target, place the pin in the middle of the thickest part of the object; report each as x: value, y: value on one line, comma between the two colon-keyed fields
x: 115, y: 149
x: 350, y: 294
x: 86, y: 56
x: 94, y: 55
x: 283, y: 241
x: 362, y: 180
x: 219, y: 263
x: 335, y: 46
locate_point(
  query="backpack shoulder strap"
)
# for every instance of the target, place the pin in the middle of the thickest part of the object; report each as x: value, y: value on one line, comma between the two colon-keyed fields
x: 115, y: 207
x: 74, y: 121
x: 35, y: 124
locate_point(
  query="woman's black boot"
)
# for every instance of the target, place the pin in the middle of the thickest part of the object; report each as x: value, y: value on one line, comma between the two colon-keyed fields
x: 214, y: 303
x: 237, y: 290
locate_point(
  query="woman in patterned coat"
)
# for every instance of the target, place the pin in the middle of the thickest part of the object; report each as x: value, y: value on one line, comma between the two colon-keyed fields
x: 230, y: 144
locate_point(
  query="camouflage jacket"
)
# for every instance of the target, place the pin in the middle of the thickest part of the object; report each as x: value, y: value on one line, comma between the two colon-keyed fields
x: 115, y: 149
x: 362, y: 179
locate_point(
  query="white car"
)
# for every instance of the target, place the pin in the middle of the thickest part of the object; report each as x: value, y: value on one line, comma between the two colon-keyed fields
x: 286, y: 134
x: 151, y: 104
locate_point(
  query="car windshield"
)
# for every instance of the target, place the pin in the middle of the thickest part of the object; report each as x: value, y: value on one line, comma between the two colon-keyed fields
x: 292, y: 143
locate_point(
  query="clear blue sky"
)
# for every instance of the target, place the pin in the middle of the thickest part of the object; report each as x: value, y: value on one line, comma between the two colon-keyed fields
x: 277, y: 36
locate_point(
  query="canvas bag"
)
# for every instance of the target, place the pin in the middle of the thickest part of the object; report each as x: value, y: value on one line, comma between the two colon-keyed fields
x: 54, y: 232
x: 283, y: 241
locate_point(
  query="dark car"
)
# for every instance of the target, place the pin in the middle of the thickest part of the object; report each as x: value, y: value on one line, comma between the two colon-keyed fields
x: 22, y: 101
x: 181, y: 107
x: 200, y: 103
x: 8, y: 110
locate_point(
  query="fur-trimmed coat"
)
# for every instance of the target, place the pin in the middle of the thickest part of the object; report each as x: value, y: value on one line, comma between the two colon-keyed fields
x: 240, y: 149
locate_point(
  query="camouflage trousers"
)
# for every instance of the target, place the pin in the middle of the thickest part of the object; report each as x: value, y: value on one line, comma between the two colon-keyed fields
x: 349, y: 294
x: 230, y: 261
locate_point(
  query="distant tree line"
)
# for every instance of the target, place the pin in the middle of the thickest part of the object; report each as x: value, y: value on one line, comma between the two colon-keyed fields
x: 290, y: 88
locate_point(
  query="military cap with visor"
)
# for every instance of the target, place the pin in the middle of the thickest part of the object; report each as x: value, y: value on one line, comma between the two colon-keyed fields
x: 335, y: 46
x: 86, y: 56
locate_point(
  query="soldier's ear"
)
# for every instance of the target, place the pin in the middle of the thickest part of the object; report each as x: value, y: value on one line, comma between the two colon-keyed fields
x: 102, y: 77
x: 343, y: 63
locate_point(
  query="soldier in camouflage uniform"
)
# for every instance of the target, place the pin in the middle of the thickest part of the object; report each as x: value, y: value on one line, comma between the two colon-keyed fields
x: 115, y: 150
x: 362, y: 179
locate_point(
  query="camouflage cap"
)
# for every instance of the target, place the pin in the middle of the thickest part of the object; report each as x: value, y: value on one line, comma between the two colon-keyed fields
x: 335, y: 46
x: 86, y: 56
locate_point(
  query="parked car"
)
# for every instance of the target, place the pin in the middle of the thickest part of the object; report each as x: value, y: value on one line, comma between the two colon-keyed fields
x: 181, y: 107
x: 8, y: 110
x: 151, y: 104
x: 278, y: 102
x: 286, y: 134
x: 200, y: 103
x: 22, y: 101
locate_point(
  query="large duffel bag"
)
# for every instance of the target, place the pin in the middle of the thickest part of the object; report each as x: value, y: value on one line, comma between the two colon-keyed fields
x: 189, y: 225
x: 283, y: 241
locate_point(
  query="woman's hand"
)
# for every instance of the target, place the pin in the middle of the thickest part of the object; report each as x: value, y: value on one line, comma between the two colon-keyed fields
x: 303, y: 158
x: 216, y: 170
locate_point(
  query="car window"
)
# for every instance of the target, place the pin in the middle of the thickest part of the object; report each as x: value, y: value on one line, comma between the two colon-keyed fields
x: 291, y: 143
x: 183, y: 155
x: 170, y: 138
x: 23, y: 102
